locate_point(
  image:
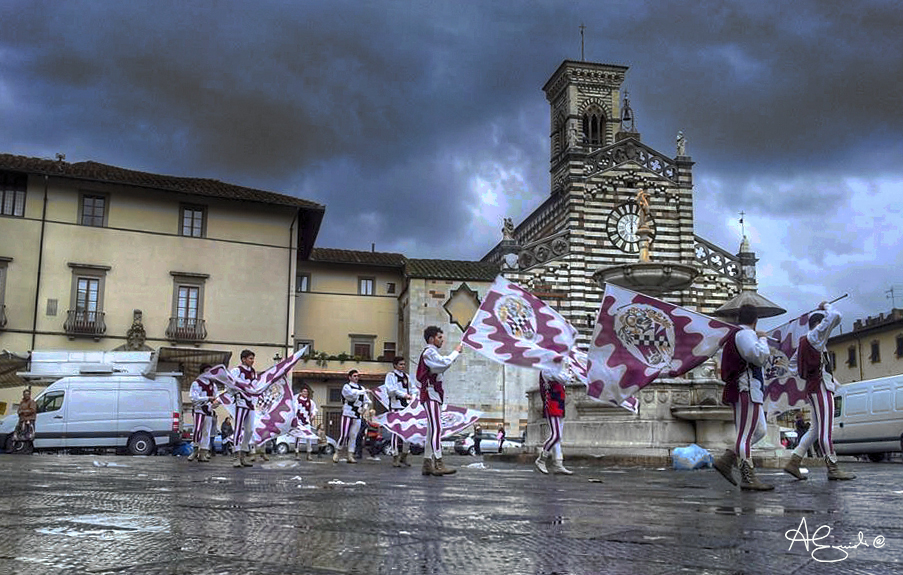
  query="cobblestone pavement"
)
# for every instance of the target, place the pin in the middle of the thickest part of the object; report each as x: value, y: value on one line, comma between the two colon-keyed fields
x: 72, y: 514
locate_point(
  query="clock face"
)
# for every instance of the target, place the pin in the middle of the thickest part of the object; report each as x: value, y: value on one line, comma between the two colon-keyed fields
x: 622, y: 224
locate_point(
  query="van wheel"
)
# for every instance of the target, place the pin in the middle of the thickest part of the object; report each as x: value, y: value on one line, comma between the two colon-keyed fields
x: 142, y: 444
x: 876, y: 457
x: 282, y: 448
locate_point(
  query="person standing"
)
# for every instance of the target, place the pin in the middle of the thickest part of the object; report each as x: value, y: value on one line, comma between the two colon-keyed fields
x: 307, y: 410
x: 244, y: 410
x: 477, y: 439
x: 357, y: 402
x: 500, y: 436
x: 225, y: 433
x: 815, y: 368
x: 552, y: 390
x: 430, y: 368
x: 744, y: 389
x: 203, y: 395
x: 322, y: 442
x: 398, y: 388
x: 28, y: 414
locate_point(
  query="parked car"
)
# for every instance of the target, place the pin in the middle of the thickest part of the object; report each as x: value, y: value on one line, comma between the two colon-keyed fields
x: 448, y: 443
x: 489, y: 443
x: 286, y: 444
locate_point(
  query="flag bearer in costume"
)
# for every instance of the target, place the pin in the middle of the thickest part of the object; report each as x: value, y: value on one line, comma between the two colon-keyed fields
x: 398, y: 388
x: 357, y: 403
x: 307, y: 410
x: 429, y: 373
x: 244, y: 410
x: 815, y: 368
x: 552, y: 390
x: 744, y: 389
x: 204, y: 399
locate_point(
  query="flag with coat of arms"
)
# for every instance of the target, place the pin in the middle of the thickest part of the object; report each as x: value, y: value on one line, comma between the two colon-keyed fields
x: 638, y: 338
x: 514, y: 327
x: 577, y: 371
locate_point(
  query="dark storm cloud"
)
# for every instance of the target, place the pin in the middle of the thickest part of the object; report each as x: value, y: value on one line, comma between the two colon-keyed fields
x: 388, y: 111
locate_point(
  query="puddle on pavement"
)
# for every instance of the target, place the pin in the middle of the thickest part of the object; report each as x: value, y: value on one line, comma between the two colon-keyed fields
x: 106, y: 526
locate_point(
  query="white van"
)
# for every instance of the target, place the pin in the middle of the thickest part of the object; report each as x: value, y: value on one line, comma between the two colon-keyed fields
x: 868, y: 417
x: 101, y: 399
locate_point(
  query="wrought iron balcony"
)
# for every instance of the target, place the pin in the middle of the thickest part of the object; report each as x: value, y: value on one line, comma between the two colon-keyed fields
x: 186, y: 329
x: 2, y: 316
x: 85, y: 323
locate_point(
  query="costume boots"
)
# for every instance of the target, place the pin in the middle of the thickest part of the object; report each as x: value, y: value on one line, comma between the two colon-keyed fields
x: 204, y: 456
x: 439, y: 468
x: 404, y: 459
x: 834, y: 472
x: 335, y: 455
x: 748, y: 479
x: 725, y: 463
x: 236, y: 459
x: 194, y: 453
x: 396, y: 460
x: 541, y: 462
x: 351, y: 458
x: 427, y: 466
x: 298, y: 455
x: 264, y: 456
x: 310, y: 456
x: 559, y: 468
x: 793, y: 467
x: 245, y: 461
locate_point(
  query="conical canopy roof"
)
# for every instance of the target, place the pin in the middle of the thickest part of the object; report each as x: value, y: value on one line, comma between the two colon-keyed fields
x: 765, y: 307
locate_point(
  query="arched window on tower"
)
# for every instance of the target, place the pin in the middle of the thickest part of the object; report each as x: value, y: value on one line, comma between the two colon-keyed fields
x: 594, y: 127
x: 559, y: 136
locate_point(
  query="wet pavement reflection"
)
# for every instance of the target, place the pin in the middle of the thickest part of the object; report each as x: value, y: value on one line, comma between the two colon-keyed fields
x: 70, y: 514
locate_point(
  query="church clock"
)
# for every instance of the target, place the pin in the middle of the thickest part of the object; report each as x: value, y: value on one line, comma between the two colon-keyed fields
x: 622, y: 224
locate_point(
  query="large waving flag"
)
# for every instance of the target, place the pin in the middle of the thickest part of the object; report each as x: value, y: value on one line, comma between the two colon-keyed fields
x: 638, y: 338
x: 515, y: 327
x: 410, y: 423
x: 784, y: 388
x: 577, y: 370
x: 221, y: 375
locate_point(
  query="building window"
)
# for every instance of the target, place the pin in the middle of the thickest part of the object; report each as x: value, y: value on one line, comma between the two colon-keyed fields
x: 594, y: 127
x: 302, y: 283
x: 851, y: 356
x: 187, y: 320
x: 12, y: 194
x: 362, y: 346
x: 365, y: 286
x: 85, y: 316
x: 335, y: 395
x: 899, y: 346
x: 875, y: 356
x: 93, y: 210
x: 299, y: 343
x: 193, y: 221
x: 388, y: 351
x: 390, y: 287
x: 4, y: 263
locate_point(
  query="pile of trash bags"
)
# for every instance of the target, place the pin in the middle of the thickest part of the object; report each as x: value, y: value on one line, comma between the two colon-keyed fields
x: 691, y: 457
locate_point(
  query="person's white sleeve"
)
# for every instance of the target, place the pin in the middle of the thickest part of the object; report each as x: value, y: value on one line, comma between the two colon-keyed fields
x: 752, y: 348
x: 392, y: 387
x: 818, y: 336
x: 438, y: 362
x: 348, y: 393
x: 195, y: 392
x: 313, y: 409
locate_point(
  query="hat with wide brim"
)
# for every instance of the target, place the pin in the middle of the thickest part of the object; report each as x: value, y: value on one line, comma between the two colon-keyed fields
x: 764, y: 307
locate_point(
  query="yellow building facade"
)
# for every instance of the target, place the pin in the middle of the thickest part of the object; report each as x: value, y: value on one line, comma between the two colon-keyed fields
x: 874, y: 348
x: 85, y: 246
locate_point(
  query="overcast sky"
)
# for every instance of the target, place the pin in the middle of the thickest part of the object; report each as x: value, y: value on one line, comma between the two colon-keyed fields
x: 421, y: 124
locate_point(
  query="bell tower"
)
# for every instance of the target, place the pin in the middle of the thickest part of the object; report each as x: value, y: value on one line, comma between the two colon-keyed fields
x: 585, y: 102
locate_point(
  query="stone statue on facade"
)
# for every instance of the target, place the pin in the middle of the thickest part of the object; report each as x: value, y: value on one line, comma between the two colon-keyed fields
x: 681, y: 144
x: 135, y: 336
x: 507, y: 229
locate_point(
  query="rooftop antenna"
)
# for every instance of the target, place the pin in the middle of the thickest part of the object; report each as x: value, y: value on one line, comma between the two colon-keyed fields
x: 582, y: 28
x: 893, y: 293
x: 742, y: 226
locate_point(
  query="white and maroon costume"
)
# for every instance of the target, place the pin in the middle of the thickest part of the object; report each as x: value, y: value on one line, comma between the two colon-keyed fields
x: 551, y: 388
x: 815, y: 368
x: 202, y: 395
x: 356, y: 403
x: 244, y: 409
x: 307, y: 410
x: 398, y: 388
x: 744, y: 386
x: 429, y: 374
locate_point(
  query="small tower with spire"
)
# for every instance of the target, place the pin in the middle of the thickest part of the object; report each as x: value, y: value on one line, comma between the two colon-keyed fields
x: 747, y: 259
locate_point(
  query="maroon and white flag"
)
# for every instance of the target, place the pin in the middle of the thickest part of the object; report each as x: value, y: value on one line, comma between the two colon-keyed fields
x: 577, y: 371
x: 638, y: 339
x: 410, y: 423
x: 515, y: 327
x: 221, y: 375
x: 784, y: 388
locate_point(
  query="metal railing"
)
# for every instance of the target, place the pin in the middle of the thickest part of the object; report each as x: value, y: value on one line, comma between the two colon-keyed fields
x: 88, y: 323
x: 186, y: 329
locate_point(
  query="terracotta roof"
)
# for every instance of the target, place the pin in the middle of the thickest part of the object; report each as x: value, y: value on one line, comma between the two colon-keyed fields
x: 94, y: 171
x: 338, y: 256
x: 451, y: 270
